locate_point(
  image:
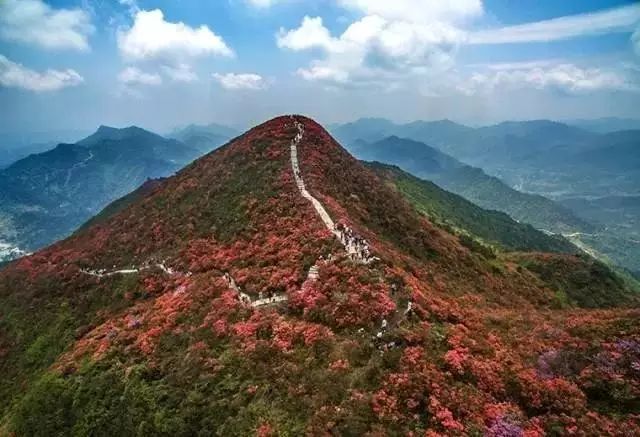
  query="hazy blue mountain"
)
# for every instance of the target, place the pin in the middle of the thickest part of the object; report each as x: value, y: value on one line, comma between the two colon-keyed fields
x: 471, y: 183
x: 45, y: 196
x: 17, y: 145
x: 498, y: 143
x: 606, y: 125
x: 10, y: 155
x: 541, y: 156
x: 366, y: 129
x: 504, y: 143
x: 615, y: 151
x: 547, y: 159
x: 25, y: 138
x: 204, y: 138
x: 410, y: 155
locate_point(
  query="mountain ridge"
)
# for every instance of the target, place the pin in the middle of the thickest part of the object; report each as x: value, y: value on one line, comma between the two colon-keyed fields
x: 472, y: 183
x: 493, y: 227
x: 223, y: 302
x: 46, y: 195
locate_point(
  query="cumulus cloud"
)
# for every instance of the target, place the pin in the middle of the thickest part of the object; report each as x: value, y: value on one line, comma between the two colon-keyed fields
x: 620, y: 19
x: 153, y: 38
x: 240, y: 81
x: 311, y: 33
x: 564, y: 77
x: 181, y: 73
x: 34, y: 22
x: 409, y: 43
x: 133, y: 76
x: 14, y: 75
x: 425, y: 11
x: 373, y: 48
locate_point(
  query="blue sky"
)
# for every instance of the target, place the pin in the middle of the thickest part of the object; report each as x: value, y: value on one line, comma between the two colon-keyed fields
x: 75, y: 64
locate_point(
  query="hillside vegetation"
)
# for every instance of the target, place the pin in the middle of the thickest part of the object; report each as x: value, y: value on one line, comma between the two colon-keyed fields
x: 153, y: 321
x: 492, y: 227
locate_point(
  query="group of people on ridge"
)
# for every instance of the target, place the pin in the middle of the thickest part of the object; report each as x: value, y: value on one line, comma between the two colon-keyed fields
x: 356, y: 246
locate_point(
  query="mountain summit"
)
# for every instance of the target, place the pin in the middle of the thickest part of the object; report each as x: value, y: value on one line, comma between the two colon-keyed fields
x: 278, y: 286
x: 45, y: 196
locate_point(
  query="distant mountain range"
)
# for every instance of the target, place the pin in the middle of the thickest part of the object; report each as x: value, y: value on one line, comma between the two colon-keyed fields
x: 279, y: 286
x: 46, y: 196
x: 204, y: 138
x: 472, y: 183
x: 17, y: 145
x: 606, y: 124
x: 538, y: 142
x: 551, y: 159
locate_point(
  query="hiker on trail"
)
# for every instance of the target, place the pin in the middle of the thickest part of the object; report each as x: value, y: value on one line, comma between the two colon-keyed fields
x: 409, y: 311
x: 227, y: 277
x: 244, y: 298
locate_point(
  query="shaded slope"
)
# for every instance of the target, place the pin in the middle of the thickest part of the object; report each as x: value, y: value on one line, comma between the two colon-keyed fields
x: 584, y: 281
x: 44, y: 197
x: 148, y: 187
x: 167, y: 345
x: 491, y: 193
x: 451, y: 210
x: 472, y: 183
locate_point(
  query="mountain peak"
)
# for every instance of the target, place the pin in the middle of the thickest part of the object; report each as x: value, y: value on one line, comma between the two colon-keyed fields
x: 108, y: 133
x: 286, y: 126
x: 102, y: 129
x: 281, y: 251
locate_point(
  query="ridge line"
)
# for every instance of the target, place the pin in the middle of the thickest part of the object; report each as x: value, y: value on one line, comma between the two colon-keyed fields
x: 356, y: 246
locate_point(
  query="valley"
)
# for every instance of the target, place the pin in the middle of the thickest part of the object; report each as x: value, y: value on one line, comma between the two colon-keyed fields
x: 47, y: 196
x: 549, y: 174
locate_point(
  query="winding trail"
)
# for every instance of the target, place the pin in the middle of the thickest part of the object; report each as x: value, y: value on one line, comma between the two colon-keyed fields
x: 82, y: 163
x: 295, y: 165
x: 358, y: 250
x: 355, y: 246
x: 105, y: 274
x: 313, y: 275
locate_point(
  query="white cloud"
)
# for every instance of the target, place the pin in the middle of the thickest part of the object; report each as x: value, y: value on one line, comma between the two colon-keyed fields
x: 564, y: 77
x: 181, y: 73
x: 35, y: 22
x: 424, y: 11
x: 151, y: 37
x: 311, y: 33
x: 635, y: 40
x: 15, y: 75
x: 133, y: 75
x: 621, y: 19
x: 409, y: 43
x: 373, y: 49
x: 240, y: 81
